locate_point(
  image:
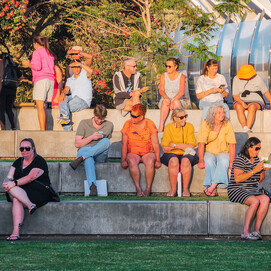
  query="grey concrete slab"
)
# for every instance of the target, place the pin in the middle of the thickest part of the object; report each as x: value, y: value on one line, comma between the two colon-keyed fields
x: 112, y: 217
x: 229, y: 218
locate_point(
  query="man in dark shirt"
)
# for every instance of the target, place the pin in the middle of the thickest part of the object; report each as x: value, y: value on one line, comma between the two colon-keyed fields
x: 126, y: 85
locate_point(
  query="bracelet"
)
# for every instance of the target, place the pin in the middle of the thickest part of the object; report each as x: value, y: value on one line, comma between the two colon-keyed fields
x: 16, y: 182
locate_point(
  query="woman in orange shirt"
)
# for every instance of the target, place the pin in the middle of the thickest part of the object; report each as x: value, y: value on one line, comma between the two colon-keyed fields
x: 140, y: 145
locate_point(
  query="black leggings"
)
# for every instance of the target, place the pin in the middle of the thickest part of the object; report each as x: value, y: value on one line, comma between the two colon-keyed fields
x: 6, y: 104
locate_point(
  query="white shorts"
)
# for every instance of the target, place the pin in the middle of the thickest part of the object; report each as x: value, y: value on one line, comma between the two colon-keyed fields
x: 43, y: 90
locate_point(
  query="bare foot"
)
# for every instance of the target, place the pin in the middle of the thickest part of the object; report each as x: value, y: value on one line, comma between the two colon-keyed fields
x: 186, y: 195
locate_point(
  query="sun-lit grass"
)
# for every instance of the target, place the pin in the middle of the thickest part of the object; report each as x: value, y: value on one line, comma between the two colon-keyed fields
x: 135, y: 255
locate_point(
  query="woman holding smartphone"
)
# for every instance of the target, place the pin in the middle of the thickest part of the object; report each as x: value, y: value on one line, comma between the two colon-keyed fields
x: 211, y: 88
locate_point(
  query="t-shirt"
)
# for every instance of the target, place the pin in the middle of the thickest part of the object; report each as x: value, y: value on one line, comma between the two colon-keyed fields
x: 255, y: 84
x: 81, y: 86
x: 86, y: 128
x: 139, y: 141
x: 205, y: 83
x: 185, y: 134
x: 38, y: 162
x: 216, y: 142
x: 43, y: 65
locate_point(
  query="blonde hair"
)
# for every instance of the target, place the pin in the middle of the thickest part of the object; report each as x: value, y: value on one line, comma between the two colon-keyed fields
x: 176, y: 112
x: 210, y: 118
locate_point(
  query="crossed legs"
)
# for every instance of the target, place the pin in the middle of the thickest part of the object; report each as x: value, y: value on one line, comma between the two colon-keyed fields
x: 133, y: 162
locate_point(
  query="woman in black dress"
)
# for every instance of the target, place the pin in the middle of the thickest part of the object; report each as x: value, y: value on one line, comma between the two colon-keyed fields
x: 247, y: 171
x: 21, y: 186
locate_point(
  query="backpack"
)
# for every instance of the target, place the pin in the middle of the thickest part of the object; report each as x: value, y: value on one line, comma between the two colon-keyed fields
x: 10, y: 78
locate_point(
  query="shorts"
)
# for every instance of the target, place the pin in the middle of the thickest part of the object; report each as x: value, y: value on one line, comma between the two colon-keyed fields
x: 43, y: 90
x: 193, y: 159
x: 262, y: 105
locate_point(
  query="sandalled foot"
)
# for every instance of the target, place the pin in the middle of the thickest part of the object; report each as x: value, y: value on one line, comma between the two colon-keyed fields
x: 13, y: 238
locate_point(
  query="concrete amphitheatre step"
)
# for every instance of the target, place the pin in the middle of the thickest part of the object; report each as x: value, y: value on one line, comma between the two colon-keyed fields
x: 133, y: 217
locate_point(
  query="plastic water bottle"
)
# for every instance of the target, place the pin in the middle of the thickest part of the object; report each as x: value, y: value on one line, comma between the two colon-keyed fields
x: 179, y: 185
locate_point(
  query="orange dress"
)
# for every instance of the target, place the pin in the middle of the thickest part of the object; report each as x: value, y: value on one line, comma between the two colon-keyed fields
x: 139, y: 141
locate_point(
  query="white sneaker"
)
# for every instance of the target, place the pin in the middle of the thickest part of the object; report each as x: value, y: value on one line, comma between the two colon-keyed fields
x: 257, y: 234
x: 246, y: 129
x: 249, y: 236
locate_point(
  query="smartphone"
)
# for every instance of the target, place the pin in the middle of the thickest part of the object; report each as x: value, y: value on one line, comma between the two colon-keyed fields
x: 100, y: 132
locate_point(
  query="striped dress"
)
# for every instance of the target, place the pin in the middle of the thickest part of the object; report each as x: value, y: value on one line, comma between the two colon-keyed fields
x: 240, y: 192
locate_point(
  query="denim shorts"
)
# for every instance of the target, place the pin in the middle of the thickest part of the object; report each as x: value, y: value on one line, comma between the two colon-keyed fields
x: 194, y: 159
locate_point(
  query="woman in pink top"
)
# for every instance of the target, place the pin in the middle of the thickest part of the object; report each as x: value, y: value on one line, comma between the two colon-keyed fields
x: 43, y: 71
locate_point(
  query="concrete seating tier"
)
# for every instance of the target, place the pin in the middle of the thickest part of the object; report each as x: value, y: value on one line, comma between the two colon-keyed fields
x: 133, y: 217
x: 68, y: 181
x: 27, y: 119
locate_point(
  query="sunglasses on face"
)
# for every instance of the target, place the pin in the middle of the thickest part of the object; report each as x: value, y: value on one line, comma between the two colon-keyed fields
x: 25, y: 148
x: 182, y: 117
x: 135, y: 117
x: 73, y: 54
x: 133, y: 66
x: 257, y: 148
x: 168, y: 66
x: 74, y: 67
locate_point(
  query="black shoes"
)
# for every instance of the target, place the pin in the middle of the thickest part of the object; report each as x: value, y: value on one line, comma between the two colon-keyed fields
x: 93, y: 190
x: 76, y: 162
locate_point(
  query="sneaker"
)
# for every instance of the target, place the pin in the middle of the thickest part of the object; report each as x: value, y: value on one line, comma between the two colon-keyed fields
x: 76, y: 162
x: 63, y: 120
x: 257, y: 234
x: 93, y: 190
x: 249, y: 237
x: 246, y: 129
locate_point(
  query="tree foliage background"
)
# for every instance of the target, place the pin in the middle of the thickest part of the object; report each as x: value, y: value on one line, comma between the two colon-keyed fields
x: 112, y: 30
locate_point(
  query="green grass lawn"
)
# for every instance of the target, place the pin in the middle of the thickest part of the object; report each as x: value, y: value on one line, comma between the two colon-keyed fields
x: 135, y: 255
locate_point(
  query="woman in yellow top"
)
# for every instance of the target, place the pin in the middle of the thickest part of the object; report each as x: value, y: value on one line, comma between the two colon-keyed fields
x: 216, y: 148
x: 178, y: 144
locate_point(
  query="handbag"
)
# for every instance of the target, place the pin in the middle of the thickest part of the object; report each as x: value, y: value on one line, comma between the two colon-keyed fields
x: 265, y: 192
x: 54, y: 194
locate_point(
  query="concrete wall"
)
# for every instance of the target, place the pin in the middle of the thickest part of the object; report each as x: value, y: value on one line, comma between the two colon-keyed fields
x: 27, y: 119
x: 133, y: 217
x: 66, y: 180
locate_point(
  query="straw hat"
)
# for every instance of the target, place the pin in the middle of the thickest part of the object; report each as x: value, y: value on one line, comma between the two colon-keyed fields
x: 77, y: 48
x: 246, y: 72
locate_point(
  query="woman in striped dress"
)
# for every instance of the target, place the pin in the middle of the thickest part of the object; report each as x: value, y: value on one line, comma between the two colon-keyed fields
x: 246, y: 173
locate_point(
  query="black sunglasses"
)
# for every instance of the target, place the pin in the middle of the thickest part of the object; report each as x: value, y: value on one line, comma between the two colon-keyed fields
x: 168, y: 66
x: 182, y: 117
x: 73, y: 54
x: 135, y: 117
x: 257, y: 148
x: 25, y: 148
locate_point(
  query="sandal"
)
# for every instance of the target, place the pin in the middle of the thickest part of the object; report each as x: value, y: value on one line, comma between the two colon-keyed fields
x: 13, y: 238
x: 170, y: 194
x: 33, y: 209
x: 210, y: 194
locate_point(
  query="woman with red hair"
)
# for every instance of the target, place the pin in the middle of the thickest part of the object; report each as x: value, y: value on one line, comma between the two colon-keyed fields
x: 140, y: 145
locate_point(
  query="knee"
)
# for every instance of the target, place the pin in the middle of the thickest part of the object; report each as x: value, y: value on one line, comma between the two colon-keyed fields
x: 173, y: 162
x: 265, y: 200
x: 166, y: 102
x: 252, y: 108
x: 255, y: 202
x: 185, y: 165
x: 176, y: 103
x: 15, y: 201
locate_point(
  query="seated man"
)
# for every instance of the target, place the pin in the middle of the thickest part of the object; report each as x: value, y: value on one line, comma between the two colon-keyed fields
x: 127, y: 87
x: 248, y: 92
x: 76, y: 53
x: 79, y: 87
x: 92, y: 139
x: 140, y: 145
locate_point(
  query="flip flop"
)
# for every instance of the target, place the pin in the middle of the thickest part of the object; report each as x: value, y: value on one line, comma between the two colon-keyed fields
x: 140, y: 194
x: 171, y: 194
x: 13, y: 238
x: 210, y: 194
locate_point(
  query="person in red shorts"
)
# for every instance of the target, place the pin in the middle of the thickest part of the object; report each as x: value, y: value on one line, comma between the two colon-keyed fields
x: 140, y: 145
